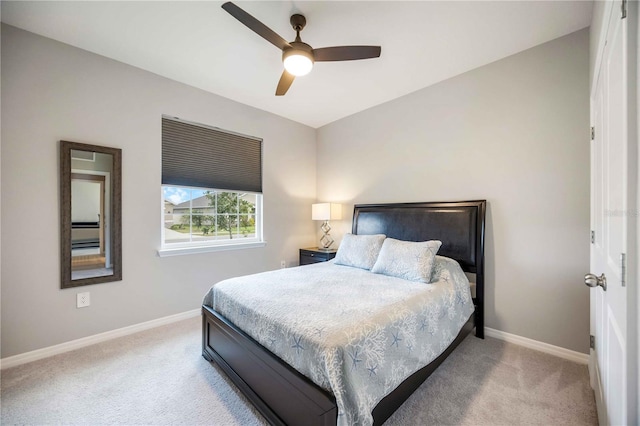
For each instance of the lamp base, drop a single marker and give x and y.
(326, 239)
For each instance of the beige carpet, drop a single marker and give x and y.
(159, 377)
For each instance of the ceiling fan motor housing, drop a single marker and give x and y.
(298, 48)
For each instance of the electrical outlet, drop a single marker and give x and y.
(283, 264)
(83, 300)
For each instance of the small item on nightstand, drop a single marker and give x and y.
(316, 255)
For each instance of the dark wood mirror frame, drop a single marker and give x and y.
(65, 214)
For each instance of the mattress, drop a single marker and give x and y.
(354, 333)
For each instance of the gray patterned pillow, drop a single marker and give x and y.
(359, 251)
(408, 260)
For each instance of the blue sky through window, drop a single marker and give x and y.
(179, 195)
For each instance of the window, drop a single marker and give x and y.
(210, 216)
(212, 188)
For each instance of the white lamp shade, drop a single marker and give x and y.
(326, 211)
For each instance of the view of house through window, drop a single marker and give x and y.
(196, 215)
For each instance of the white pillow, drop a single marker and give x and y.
(359, 251)
(408, 260)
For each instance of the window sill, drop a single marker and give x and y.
(178, 251)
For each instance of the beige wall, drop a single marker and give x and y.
(51, 91)
(514, 132)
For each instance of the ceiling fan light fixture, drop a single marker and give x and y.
(297, 62)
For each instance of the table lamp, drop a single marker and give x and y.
(326, 212)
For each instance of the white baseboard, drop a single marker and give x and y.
(568, 354)
(26, 357)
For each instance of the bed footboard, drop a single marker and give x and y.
(281, 394)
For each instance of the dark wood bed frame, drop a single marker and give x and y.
(286, 397)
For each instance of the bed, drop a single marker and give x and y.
(285, 396)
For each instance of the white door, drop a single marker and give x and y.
(611, 169)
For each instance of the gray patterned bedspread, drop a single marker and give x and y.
(354, 333)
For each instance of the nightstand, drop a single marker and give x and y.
(315, 255)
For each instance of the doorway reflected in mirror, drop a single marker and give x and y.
(90, 195)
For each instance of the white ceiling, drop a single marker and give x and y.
(200, 44)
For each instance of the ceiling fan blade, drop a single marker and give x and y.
(346, 53)
(256, 26)
(285, 82)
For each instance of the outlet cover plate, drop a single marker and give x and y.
(83, 300)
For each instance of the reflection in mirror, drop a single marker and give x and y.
(90, 196)
(90, 188)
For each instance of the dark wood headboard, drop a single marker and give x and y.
(458, 224)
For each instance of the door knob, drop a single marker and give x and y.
(592, 280)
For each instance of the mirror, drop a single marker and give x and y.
(90, 219)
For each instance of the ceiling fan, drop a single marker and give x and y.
(298, 57)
